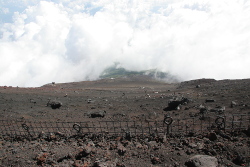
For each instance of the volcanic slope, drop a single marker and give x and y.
(126, 98)
(123, 98)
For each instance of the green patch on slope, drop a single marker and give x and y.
(117, 72)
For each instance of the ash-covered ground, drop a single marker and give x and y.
(127, 98)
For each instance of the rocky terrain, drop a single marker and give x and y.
(136, 98)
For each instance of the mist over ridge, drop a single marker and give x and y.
(115, 71)
(66, 41)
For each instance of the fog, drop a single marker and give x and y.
(72, 40)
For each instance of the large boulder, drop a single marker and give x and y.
(202, 161)
(54, 104)
(94, 114)
(175, 104)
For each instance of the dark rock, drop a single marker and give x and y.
(155, 160)
(225, 136)
(85, 151)
(198, 86)
(212, 136)
(239, 160)
(203, 111)
(219, 109)
(248, 131)
(210, 100)
(189, 151)
(32, 101)
(120, 165)
(112, 145)
(94, 114)
(176, 104)
(41, 158)
(54, 104)
(89, 101)
(121, 149)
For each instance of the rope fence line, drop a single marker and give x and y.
(169, 126)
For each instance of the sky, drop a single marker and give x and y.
(75, 40)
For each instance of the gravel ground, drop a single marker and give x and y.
(131, 98)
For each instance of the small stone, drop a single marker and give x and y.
(41, 158)
(239, 160)
(210, 100)
(155, 160)
(113, 145)
(105, 164)
(91, 143)
(138, 145)
(44, 149)
(78, 163)
(87, 150)
(189, 151)
(134, 153)
(152, 144)
(192, 145)
(121, 149)
(212, 136)
(233, 104)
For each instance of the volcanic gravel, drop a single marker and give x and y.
(129, 98)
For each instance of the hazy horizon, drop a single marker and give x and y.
(71, 40)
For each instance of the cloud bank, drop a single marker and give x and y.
(66, 41)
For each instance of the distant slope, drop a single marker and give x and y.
(118, 72)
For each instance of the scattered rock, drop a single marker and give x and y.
(175, 104)
(210, 100)
(193, 145)
(138, 145)
(85, 151)
(94, 114)
(248, 131)
(121, 149)
(202, 161)
(78, 163)
(41, 158)
(212, 136)
(203, 109)
(189, 151)
(54, 104)
(239, 160)
(233, 104)
(112, 145)
(225, 136)
(33, 101)
(155, 160)
(104, 164)
(90, 101)
(219, 109)
(152, 144)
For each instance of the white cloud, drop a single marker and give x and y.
(65, 41)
